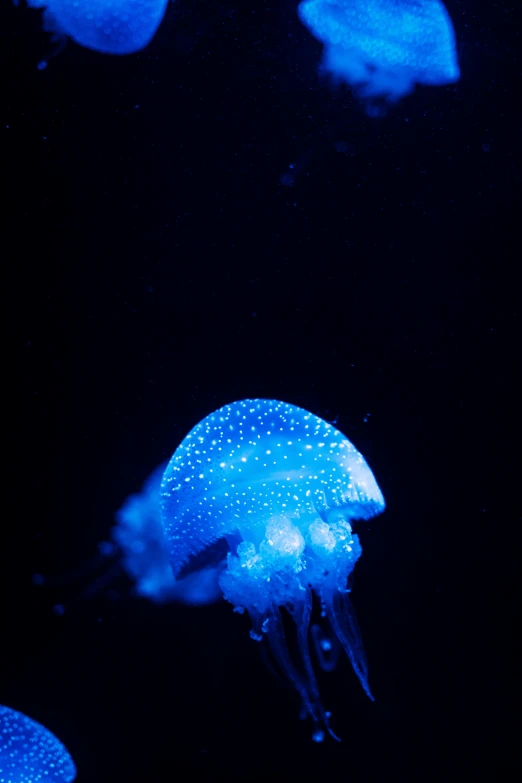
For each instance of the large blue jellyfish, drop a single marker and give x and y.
(382, 48)
(260, 498)
(110, 26)
(30, 753)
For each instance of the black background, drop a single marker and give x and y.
(161, 259)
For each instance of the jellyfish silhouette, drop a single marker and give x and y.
(142, 551)
(137, 547)
(109, 26)
(260, 498)
(382, 48)
(30, 753)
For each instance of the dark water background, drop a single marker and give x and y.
(160, 259)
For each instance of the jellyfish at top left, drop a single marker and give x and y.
(257, 506)
(30, 753)
(109, 26)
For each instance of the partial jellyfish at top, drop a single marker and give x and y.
(30, 753)
(382, 48)
(109, 26)
(257, 505)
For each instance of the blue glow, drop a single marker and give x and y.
(281, 488)
(110, 26)
(327, 649)
(139, 535)
(382, 48)
(30, 753)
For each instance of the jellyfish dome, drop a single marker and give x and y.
(30, 753)
(384, 47)
(266, 494)
(109, 26)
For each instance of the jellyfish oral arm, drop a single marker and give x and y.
(295, 558)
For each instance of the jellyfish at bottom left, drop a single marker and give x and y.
(30, 753)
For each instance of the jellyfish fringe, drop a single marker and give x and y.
(343, 632)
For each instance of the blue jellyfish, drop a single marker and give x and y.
(110, 26)
(260, 498)
(142, 551)
(30, 753)
(382, 48)
(138, 548)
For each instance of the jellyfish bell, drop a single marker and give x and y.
(30, 753)
(273, 491)
(108, 26)
(383, 48)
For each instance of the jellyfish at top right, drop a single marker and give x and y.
(383, 48)
(30, 753)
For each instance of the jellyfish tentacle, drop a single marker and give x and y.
(309, 696)
(341, 615)
(106, 579)
(301, 612)
(258, 633)
(327, 647)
